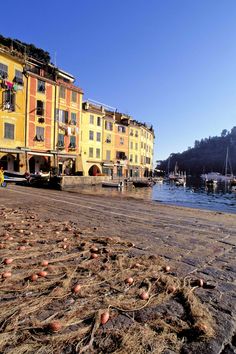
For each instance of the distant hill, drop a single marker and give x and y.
(207, 155)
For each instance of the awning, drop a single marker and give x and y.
(67, 156)
(39, 153)
(108, 164)
(13, 151)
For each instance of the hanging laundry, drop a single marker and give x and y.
(15, 87)
(69, 130)
(9, 85)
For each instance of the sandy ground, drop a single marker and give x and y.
(193, 241)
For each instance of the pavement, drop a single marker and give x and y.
(194, 242)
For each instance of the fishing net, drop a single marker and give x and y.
(95, 295)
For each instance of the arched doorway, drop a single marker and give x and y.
(38, 163)
(4, 162)
(9, 163)
(146, 172)
(69, 167)
(94, 170)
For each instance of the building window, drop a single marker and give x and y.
(108, 139)
(142, 159)
(121, 129)
(72, 142)
(108, 155)
(90, 152)
(3, 71)
(121, 141)
(73, 118)
(40, 108)
(136, 159)
(9, 131)
(141, 145)
(8, 100)
(41, 86)
(91, 135)
(131, 158)
(61, 140)
(98, 136)
(62, 92)
(74, 96)
(136, 146)
(108, 125)
(148, 160)
(120, 155)
(39, 134)
(98, 121)
(131, 145)
(91, 119)
(18, 79)
(131, 132)
(98, 153)
(62, 116)
(136, 134)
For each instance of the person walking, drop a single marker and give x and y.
(1, 176)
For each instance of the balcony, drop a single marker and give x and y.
(60, 145)
(72, 147)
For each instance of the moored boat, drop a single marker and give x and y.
(140, 183)
(14, 179)
(111, 184)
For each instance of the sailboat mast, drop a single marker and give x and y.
(226, 161)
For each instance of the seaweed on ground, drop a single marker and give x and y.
(64, 290)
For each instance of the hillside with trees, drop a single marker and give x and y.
(207, 155)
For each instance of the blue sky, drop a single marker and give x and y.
(171, 63)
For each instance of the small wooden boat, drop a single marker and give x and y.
(140, 184)
(14, 174)
(14, 179)
(180, 182)
(38, 178)
(110, 184)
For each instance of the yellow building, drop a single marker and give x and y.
(108, 148)
(12, 110)
(43, 124)
(146, 150)
(67, 124)
(92, 138)
(134, 149)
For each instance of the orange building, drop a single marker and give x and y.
(121, 144)
(40, 116)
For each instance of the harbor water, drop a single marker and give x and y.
(194, 195)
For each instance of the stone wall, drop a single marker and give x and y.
(68, 181)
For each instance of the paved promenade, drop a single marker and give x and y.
(196, 242)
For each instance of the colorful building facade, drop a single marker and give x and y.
(40, 103)
(12, 111)
(92, 139)
(45, 125)
(117, 146)
(67, 124)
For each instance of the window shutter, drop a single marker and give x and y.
(66, 117)
(4, 99)
(13, 101)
